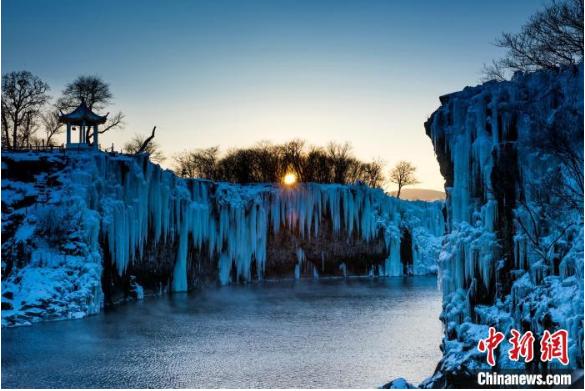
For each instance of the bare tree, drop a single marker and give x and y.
(548, 242)
(403, 174)
(552, 37)
(97, 96)
(547, 208)
(569, 152)
(317, 166)
(199, 163)
(372, 173)
(23, 95)
(183, 166)
(52, 125)
(239, 166)
(341, 157)
(560, 138)
(145, 144)
(140, 143)
(114, 121)
(268, 163)
(5, 128)
(28, 129)
(91, 89)
(292, 157)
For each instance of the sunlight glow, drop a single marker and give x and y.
(290, 179)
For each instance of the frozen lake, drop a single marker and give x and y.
(329, 333)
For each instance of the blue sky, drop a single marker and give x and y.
(232, 73)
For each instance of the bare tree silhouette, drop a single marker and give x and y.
(140, 143)
(552, 37)
(96, 94)
(403, 174)
(23, 96)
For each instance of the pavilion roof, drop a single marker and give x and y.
(83, 115)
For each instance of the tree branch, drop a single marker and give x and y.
(146, 142)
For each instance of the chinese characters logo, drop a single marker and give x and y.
(552, 346)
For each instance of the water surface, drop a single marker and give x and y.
(328, 333)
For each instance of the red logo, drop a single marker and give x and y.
(490, 344)
(552, 346)
(522, 346)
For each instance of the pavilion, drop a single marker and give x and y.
(85, 120)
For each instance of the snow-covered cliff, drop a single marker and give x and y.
(512, 156)
(83, 227)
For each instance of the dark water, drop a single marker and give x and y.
(328, 333)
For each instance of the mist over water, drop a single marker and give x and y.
(337, 333)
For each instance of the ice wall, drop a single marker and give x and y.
(497, 268)
(233, 223)
(154, 229)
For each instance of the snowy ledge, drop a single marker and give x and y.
(72, 220)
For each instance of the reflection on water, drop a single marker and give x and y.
(327, 333)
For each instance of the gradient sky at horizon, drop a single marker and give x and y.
(232, 73)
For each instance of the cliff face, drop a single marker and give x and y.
(83, 230)
(512, 156)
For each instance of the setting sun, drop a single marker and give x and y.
(300, 162)
(290, 179)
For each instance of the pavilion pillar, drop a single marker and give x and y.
(87, 122)
(68, 134)
(95, 137)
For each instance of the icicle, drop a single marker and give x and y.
(180, 271)
(230, 224)
(315, 272)
(299, 265)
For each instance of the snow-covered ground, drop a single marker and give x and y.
(512, 256)
(64, 214)
(512, 156)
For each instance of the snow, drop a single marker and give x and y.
(399, 383)
(233, 222)
(24, 232)
(117, 204)
(490, 272)
(53, 286)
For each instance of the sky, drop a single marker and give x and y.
(234, 72)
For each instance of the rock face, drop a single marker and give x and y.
(85, 229)
(512, 157)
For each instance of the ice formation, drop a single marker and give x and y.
(135, 209)
(504, 264)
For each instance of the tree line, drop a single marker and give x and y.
(30, 115)
(267, 162)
